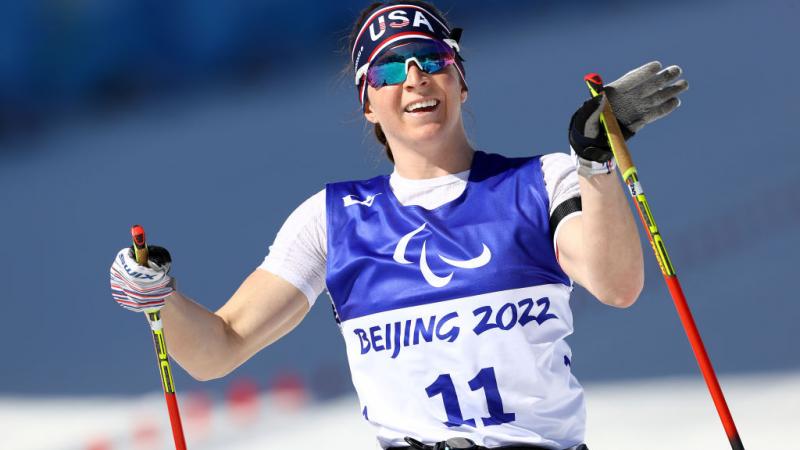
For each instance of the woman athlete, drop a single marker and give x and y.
(450, 278)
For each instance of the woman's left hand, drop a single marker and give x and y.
(645, 95)
(639, 97)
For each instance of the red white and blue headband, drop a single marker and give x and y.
(394, 23)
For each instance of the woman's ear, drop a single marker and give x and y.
(368, 114)
(464, 94)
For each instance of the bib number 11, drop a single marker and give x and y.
(486, 380)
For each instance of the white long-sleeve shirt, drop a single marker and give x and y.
(298, 254)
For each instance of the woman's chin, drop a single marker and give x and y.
(427, 132)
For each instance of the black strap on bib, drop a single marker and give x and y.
(564, 209)
(466, 444)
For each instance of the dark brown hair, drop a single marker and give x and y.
(379, 134)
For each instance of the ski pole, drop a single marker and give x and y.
(154, 319)
(631, 179)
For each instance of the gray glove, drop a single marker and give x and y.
(645, 95)
(639, 97)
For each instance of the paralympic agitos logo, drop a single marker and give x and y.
(433, 279)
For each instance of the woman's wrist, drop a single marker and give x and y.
(588, 168)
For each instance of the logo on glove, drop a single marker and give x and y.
(134, 273)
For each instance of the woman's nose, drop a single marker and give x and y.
(415, 76)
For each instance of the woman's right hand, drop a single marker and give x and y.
(139, 288)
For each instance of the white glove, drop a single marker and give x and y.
(140, 288)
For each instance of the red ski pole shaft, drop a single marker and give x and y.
(631, 179)
(157, 328)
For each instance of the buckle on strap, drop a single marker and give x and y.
(457, 443)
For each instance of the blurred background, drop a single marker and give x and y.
(208, 122)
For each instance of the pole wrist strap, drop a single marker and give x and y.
(588, 169)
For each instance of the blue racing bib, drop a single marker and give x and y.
(454, 318)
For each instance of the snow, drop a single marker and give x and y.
(655, 414)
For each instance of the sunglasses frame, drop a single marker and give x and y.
(362, 72)
(413, 59)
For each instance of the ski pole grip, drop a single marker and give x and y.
(139, 245)
(609, 120)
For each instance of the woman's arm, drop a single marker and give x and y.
(600, 249)
(210, 345)
(268, 304)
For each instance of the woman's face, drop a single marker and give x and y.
(394, 107)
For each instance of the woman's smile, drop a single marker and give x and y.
(422, 107)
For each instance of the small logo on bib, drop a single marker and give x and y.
(433, 279)
(350, 200)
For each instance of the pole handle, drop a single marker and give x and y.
(139, 244)
(615, 136)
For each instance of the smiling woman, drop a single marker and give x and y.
(383, 59)
(450, 278)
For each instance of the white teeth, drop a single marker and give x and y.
(424, 104)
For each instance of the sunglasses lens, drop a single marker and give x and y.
(386, 73)
(431, 65)
(390, 68)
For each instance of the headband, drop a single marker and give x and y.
(393, 23)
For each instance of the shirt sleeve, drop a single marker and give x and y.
(563, 190)
(299, 252)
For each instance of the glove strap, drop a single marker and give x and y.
(588, 169)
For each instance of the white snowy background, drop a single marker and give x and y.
(655, 414)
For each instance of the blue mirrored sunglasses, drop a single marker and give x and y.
(392, 67)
